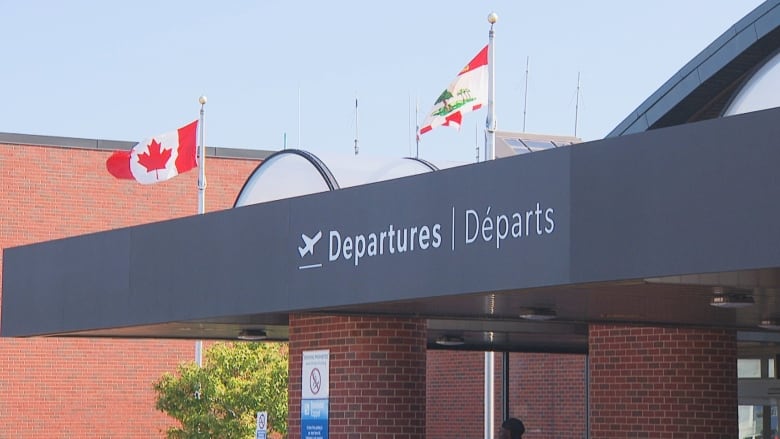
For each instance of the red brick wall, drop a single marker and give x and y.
(377, 374)
(663, 382)
(546, 391)
(456, 391)
(90, 388)
(96, 388)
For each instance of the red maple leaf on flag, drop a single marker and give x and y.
(157, 158)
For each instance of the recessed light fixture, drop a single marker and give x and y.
(252, 335)
(732, 300)
(771, 324)
(449, 340)
(539, 314)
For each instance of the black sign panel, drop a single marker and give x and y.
(490, 226)
(697, 198)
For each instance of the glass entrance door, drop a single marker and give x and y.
(758, 422)
(759, 393)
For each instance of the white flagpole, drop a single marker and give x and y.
(201, 198)
(490, 148)
(490, 154)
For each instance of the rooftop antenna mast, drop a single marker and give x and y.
(476, 142)
(356, 125)
(417, 127)
(409, 124)
(299, 118)
(525, 94)
(577, 105)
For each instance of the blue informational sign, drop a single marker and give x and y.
(314, 419)
(262, 422)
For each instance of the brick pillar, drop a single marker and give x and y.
(377, 374)
(662, 383)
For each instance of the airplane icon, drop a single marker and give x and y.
(308, 243)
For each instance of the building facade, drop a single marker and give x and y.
(100, 387)
(652, 249)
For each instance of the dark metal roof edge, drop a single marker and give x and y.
(112, 145)
(722, 45)
(316, 163)
(238, 153)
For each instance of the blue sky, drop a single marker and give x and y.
(129, 70)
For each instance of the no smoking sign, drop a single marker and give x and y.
(315, 380)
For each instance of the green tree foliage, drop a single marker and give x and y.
(222, 398)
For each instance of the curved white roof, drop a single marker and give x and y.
(294, 172)
(759, 92)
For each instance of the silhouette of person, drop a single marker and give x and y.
(512, 428)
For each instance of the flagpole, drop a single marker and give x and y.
(490, 148)
(201, 198)
(490, 154)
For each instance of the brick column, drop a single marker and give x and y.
(662, 383)
(377, 374)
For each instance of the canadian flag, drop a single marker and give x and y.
(159, 158)
(468, 92)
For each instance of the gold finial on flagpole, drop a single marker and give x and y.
(492, 18)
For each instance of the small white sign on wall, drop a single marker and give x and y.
(315, 383)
